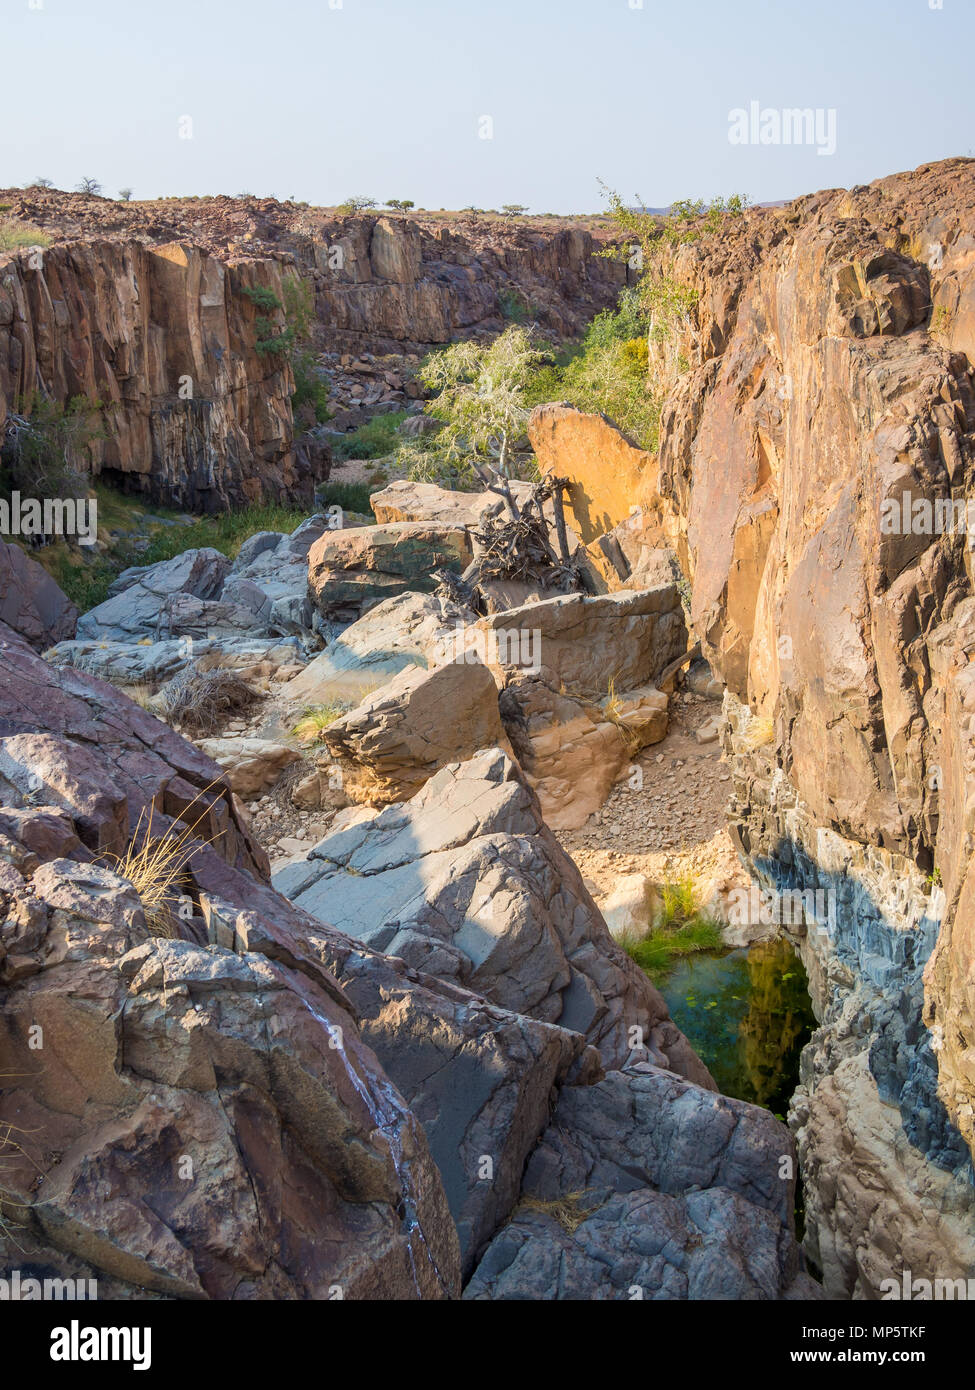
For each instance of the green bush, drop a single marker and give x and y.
(311, 387)
(45, 456)
(19, 236)
(262, 298)
(607, 372)
(351, 497)
(372, 440)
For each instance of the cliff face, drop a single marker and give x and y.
(834, 380)
(145, 307)
(391, 285)
(164, 337)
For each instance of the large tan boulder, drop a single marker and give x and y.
(573, 750)
(351, 571)
(413, 726)
(578, 697)
(404, 500)
(584, 644)
(252, 765)
(608, 475)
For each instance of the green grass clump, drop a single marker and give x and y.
(314, 721)
(372, 440)
(658, 951)
(18, 236)
(679, 929)
(226, 532)
(351, 497)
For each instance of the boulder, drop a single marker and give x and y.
(137, 601)
(467, 883)
(409, 630)
(403, 500)
(579, 644)
(645, 1187)
(31, 602)
(577, 699)
(478, 1078)
(635, 554)
(417, 723)
(629, 908)
(75, 744)
(351, 571)
(608, 475)
(159, 618)
(153, 663)
(571, 753)
(252, 765)
(207, 1125)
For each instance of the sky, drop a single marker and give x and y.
(454, 103)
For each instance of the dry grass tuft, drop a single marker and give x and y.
(760, 731)
(156, 866)
(198, 701)
(568, 1211)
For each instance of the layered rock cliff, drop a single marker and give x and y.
(148, 308)
(382, 283)
(832, 380)
(164, 338)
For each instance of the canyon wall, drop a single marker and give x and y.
(393, 285)
(164, 338)
(833, 379)
(148, 308)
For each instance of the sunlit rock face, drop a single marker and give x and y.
(833, 379)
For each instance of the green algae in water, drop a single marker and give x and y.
(748, 1015)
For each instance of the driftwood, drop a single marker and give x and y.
(517, 543)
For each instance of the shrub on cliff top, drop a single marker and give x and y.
(20, 236)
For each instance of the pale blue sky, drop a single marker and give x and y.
(384, 97)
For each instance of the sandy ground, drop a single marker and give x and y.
(671, 828)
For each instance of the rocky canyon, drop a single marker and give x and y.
(334, 855)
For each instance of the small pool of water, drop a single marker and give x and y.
(748, 1015)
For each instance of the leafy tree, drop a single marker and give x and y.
(668, 302)
(514, 209)
(356, 204)
(482, 397)
(400, 204)
(47, 445)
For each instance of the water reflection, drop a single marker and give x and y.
(748, 1016)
